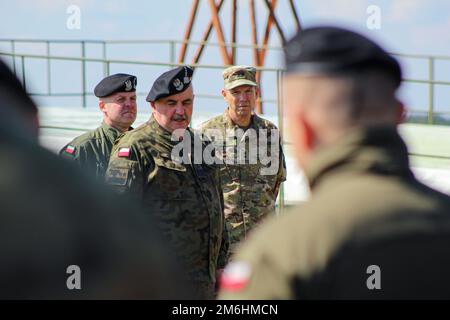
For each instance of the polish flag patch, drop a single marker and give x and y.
(70, 149)
(124, 152)
(236, 276)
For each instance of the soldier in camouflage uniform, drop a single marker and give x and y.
(45, 228)
(117, 102)
(183, 196)
(249, 193)
(370, 229)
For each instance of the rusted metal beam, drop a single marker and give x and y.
(217, 25)
(262, 51)
(262, 54)
(256, 61)
(233, 30)
(187, 34)
(275, 20)
(205, 37)
(254, 32)
(296, 17)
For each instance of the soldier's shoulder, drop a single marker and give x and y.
(86, 138)
(264, 123)
(306, 225)
(216, 122)
(135, 136)
(81, 142)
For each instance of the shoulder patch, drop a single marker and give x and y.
(70, 149)
(124, 152)
(236, 276)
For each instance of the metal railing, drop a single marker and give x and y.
(106, 62)
(171, 46)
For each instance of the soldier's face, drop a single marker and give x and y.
(241, 100)
(119, 109)
(174, 112)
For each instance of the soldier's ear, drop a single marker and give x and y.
(308, 136)
(401, 113)
(101, 105)
(224, 93)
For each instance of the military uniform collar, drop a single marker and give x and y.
(163, 133)
(229, 124)
(378, 149)
(111, 132)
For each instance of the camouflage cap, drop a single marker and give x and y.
(236, 76)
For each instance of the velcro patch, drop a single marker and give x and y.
(124, 152)
(117, 177)
(70, 149)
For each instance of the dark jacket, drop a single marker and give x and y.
(367, 211)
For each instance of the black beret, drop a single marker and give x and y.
(171, 82)
(119, 82)
(331, 50)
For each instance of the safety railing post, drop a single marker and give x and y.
(13, 51)
(105, 67)
(49, 81)
(83, 72)
(172, 51)
(22, 63)
(280, 127)
(430, 89)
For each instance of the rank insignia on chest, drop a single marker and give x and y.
(70, 149)
(124, 152)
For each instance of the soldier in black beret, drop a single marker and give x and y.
(176, 83)
(185, 197)
(370, 229)
(117, 102)
(55, 219)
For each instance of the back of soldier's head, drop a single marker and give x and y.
(330, 58)
(15, 101)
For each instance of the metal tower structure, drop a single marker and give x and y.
(228, 50)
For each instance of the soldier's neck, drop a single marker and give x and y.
(117, 126)
(242, 121)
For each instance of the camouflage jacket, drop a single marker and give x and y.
(186, 199)
(92, 149)
(249, 194)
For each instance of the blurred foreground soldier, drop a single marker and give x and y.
(370, 230)
(46, 229)
(250, 185)
(117, 102)
(184, 197)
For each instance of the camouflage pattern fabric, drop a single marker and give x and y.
(248, 196)
(92, 149)
(185, 199)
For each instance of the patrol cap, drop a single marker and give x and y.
(332, 50)
(119, 82)
(236, 76)
(171, 82)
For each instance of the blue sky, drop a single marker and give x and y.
(407, 26)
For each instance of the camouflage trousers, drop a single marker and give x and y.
(204, 290)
